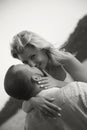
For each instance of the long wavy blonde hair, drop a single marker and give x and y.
(27, 38)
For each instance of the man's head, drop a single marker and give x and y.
(19, 81)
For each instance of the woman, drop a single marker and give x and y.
(33, 50)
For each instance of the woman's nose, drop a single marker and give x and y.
(32, 64)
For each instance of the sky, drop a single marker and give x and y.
(54, 20)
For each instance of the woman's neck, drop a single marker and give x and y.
(56, 71)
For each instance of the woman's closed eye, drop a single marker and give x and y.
(25, 62)
(33, 57)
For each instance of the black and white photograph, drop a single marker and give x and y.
(43, 65)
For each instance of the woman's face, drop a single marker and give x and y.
(34, 57)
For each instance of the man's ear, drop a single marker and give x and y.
(35, 78)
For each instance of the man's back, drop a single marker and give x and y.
(71, 99)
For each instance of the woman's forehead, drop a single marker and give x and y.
(27, 53)
(29, 50)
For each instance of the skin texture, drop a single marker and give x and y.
(34, 57)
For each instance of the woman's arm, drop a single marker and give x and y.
(44, 105)
(76, 69)
(72, 65)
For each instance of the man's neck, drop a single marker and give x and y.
(36, 90)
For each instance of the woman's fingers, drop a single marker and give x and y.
(47, 112)
(50, 112)
(45, 84)
(45, 73)
(42, 81)
(46, 106)
(49, 99)
(42, 78)
(53, 106)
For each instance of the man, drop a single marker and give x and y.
(20, 82)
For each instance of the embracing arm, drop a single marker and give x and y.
(43, 104)
(71, 64)
(76, 69)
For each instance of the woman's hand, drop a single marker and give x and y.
(46, 106)
(49, 82)
(61, 56)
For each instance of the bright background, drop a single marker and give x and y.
(52, 19)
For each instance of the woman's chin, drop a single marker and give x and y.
(42, 67)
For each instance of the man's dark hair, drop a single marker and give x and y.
(17, 84)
